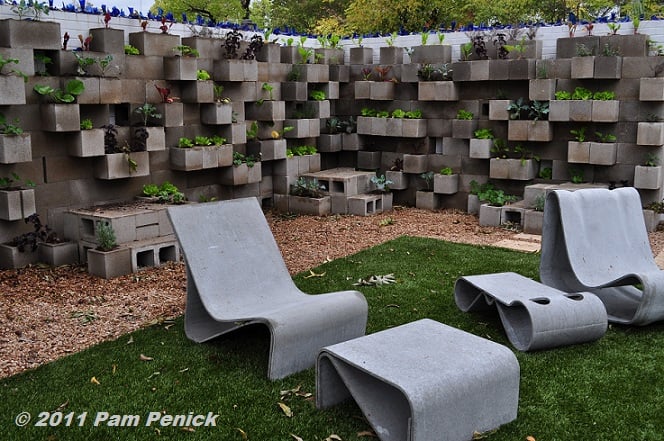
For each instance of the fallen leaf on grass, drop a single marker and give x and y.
(530, 438)
(188, 429)
(62, 406)
(94, 380)
(296, 438)
(333, 438)
(131, 340)
(286, 410)
(145, 358)
(313, 274)
(242, 433)
(366, 433)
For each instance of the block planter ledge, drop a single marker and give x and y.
(445, 184)
(311, 206)
(60, 117)
(650, 133)
(13, 90)
(217, 113)
(515, 169)
(201, 157)
(528, 130)
(437, 91)
(12, 258)
(17, 204)
(109, 264)
(241, 174)
(16, 148)
(648, 178)
(57, 254)
(87, 143)
(122, 165)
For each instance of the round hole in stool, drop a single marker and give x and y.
(575, 296)
(541, 300)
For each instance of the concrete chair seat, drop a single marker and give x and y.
(534, 315)
(236, 276)
(596, 240)
(422, 381)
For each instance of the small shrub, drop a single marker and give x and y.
(105, 235)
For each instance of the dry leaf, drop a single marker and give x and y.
(287, 410)
(114, 369)
(145, 358)
(530, 438)
(367, 433)
(313, 274)
(296, 438)
(188, 429)
(94, 380)
(62, 406)
(131, 340)
(243, 433)
(333, 437)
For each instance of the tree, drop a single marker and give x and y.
(230, 10)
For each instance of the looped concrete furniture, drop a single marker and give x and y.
(422, 381)
(236, 276)
(595, 240)
(535, 316)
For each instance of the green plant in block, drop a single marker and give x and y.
(605, 137)
(9, 128)
(131, 50)
(446, 171)
(464, 114)
(581, 93)
(86, 124)
(73, 88)
(563, 95)
(579, 134)
(317, 95)
(604, 95)
(483, 134)
(652, 160)
(105, 235)
(202, 75)
(147, 111)
(428, 179)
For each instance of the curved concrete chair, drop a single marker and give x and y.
(535, 316)
(236, 276)
(595, 240)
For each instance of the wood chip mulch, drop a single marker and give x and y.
(47, 313)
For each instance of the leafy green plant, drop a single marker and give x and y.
(500, 149)
(73, 88)
(581, 93)
(493, 196)
(447, 171)
(186, 51)
(185, 143)
(583, 51)
(41, 62)
(576, 175)
(483, 134)
(86, 124)
(165, 193)
(9, 128)
(218, 91)
(540, 200)
(147, 111)
(413, 114)
(608, 51)
(464, 114)
(579, 134)
(605, 95)
(252, 131)
(305, 54)
(381, 182)
(545, 173)
(652, 160)
(563, 95)
(105, 235)
(317, 95)
(309, 188)
(605, 137)
(131, 50)
(202, 75)
(240, 158)
(466, 51)
(301, 150)
(14, 181)
(518, 109)
(428, 179)
(6, 61)
(424, 37)
(538, 110)
(35, 8)
(613, 27)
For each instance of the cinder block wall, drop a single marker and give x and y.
(64, 182)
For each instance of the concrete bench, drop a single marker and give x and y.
(535, 316)
(422, 381)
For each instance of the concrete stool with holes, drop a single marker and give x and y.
(422, 381)
(535, 316)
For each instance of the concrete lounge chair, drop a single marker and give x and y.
(422, 381)
(535, 316)
(595, 240)
(236, 276)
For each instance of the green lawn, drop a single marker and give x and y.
(609, 390)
